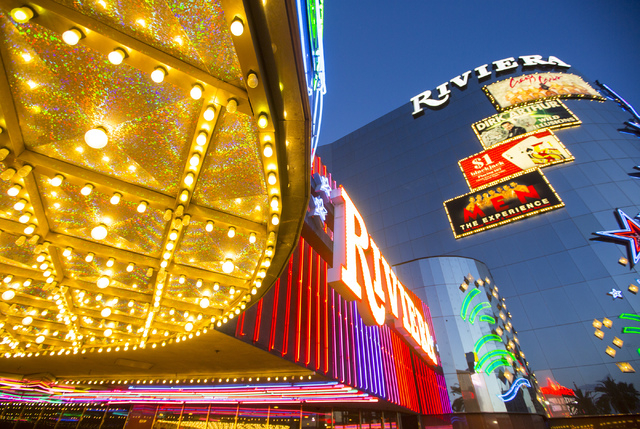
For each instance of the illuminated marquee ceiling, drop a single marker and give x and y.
(154, 173)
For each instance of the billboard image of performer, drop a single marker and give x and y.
(512, 129)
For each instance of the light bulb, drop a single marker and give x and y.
(72, 36)
(252, 80)
(158, 74)
(106, 312)
(30, 229)
(275, 219)
(272, 178)
(25, 217)
(130, 267)
(188, 327)
(199, 283)
(269, 251)
(196, 91)
(174, 235)
(216, 286)
(184, 196)
(115, 198)
(8, 295)
(275, 203)
(67, 252)
(103, 282)
(57, 180)
(22, 14)
(209, 226)
(14, 190)
(110, 262)
(107, 333)
(117, 56)
(87, 189)
(99, 232)
(201, 140)
(231, 232)
(227, 266)
(189, 179)
(20, 205)
(204, 302)
(262, 120)
(142, 207)
(210, 113)
(40, 339)
(195, 160)
(268, 150)
(232, 105)
(252, 237)
(96, 138)
(237, 27)
(89, 257)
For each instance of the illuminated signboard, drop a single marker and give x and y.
(537, 149)
(432, 100)
(549, 114)
(523, 89)
(513, 199)
(361, 273)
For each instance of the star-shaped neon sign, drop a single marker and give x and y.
(615, 293)
(319, 209)
(325, 186)
(630, 235)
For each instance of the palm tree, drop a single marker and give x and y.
(583, 404)
(623, 397)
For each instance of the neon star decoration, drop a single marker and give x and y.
(630, 235)
(615, 293)
(325, 186)
(319, 209)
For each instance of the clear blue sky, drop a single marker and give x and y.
(379, 54)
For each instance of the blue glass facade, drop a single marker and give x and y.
(399, 169)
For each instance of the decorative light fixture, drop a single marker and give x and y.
(22, 14)
(263, 121)
(210, 113)
(184, 196)
(252, 80)
(30, 229)
(57, 180)
(237, 27)
(115, 198)
(196, 91)
(158, 74)
(72, 36)
(142, 207)
(20, 205)
(117, 56)
(232, 105)
(228, 266)
(25, 217)
(268, 150)
(272, 178)
(275, 203)
(252, 238)
(204, 302)
(209, 226)
(110, 262)
(231, 232)
(14, 190)
(89, 257)
(130, 267)
(195, 160)
(201, 140)
(96, 138)
(99, 232)
(8, 295)
(275, 220)
(103, 282)
(106, 312)
(87, 189)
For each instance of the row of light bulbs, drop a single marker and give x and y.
(292, 378)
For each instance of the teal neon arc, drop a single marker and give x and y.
(494, 359)
(465, 304)
(484, 340)
(476, 310)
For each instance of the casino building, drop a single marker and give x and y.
(512, 187)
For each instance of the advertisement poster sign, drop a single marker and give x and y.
(518, 90)
(536, 149)
(548, 114)
(524, 195)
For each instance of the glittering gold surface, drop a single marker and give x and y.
(232, 179)
(193, 31)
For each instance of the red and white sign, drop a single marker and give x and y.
(538, 149)
(361, 273)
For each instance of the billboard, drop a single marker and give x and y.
(516, 91)
(531, 150)
(512, 199)
(548, 114)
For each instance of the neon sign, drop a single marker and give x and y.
(361, 273)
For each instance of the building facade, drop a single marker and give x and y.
(454, 161)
